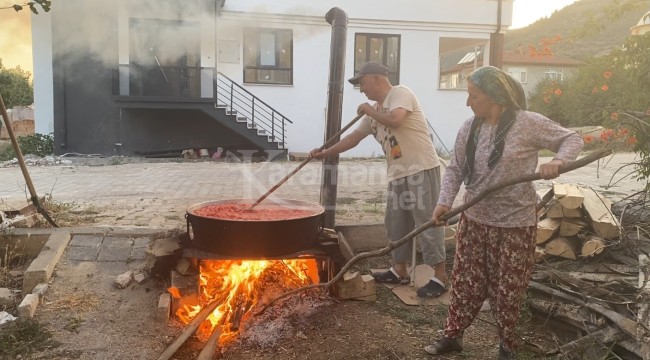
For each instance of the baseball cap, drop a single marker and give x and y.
(371, 67)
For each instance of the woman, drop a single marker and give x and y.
(496, 237)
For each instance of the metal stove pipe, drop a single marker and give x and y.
(339, 21)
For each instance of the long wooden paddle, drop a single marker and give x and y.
(308, 159)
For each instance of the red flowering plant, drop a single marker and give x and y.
(610, 92)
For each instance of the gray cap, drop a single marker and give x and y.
(371, 67)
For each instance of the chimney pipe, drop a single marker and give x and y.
(496, 41)
(339, 21)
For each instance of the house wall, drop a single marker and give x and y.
(420, 23)
(537, 73)
(91, 122)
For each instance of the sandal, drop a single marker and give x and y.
(390, 277)
(431, 290)
(444, 346)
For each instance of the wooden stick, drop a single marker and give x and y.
(211, 345)
(23, 166)
(304, 162)
(189, 330)
(450, 214)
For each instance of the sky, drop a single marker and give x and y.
(16, 37)
(525, 12)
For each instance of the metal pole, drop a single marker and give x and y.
(339, 21)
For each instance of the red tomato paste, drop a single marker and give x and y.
(240, 211)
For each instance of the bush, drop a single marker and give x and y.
(37, 144)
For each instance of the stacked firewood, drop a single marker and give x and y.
(576, 223)
(591, 277)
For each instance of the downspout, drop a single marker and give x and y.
(496, 40)
(339, 21)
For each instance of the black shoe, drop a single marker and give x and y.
(444, 346)
(431, 290)
(390, 277)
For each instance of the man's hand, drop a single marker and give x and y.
(365, 109)
(316, 154)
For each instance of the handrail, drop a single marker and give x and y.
(253, 95)
(259, 114)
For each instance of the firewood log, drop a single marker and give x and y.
(570, 227)
(643, 299)
(546, 229)
(562, 246)
(568, 195)
(570, 314)
(557, 211)
(592, 245)
(598, 208)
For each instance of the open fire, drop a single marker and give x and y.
(238, 286)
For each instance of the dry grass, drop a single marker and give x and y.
(67, 214)
(78, 302)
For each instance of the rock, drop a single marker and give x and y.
(123, 280)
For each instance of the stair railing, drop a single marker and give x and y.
(261, 115)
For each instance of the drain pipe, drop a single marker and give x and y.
(339, 21)
(496, 41)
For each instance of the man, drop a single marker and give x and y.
(397, 122)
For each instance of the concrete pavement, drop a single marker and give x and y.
(155, 194)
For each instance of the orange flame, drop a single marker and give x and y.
(237, 286)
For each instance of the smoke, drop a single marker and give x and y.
(16, 39)
(99, 28)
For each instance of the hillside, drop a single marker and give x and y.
(586, 28)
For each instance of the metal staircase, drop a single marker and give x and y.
(245, 108)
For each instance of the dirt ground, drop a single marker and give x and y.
(91, 319)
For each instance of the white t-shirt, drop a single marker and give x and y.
(408, 148)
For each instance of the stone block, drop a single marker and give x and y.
(86, 240)
(114, 254)
(40, 290)
(41, 268)
(7, 298)
(164, 308)
(81, 253)
(27, 307)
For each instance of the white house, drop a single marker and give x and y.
(132, 76)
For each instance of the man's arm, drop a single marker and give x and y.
(393, 119)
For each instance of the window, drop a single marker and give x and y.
(268, 56)
(519, 73)
(164, 58)
(554, 74)
(458, 58)
(381, 48)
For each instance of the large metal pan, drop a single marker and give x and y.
(254, 239)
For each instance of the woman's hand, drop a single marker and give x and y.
(551, 169)
(437, 213)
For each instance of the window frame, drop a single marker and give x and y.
(393, 75)
(554, 74)
(522, 70)
(258, 32)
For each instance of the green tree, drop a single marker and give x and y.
(612, 91)
(15, 86)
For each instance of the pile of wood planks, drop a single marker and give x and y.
(576, 223)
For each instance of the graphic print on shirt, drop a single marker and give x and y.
(389, 143)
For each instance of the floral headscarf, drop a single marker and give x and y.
(504, 90)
